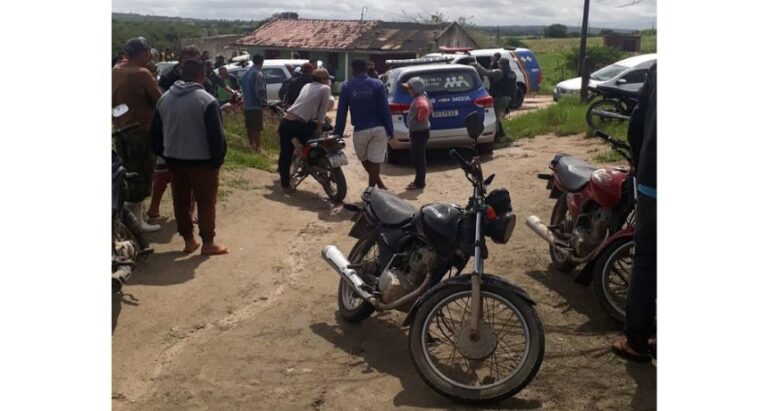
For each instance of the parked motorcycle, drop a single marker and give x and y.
(610, 105)
(593, 223)
(321, 158)
(474, 337)
(128, 242)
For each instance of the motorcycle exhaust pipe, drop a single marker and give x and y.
(541, 229)
(334, 257)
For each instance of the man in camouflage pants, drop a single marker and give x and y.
(135, 86)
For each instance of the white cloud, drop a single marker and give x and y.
(603, 13)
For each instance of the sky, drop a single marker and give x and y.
(603, 13)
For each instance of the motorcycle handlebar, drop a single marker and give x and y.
(455, 154)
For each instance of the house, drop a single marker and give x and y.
(338, 42)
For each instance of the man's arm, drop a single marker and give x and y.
(494, 74)
(153, 91)
(215, 132)
(261, 88)
(386, 116)
(341, 111)
(157, 134)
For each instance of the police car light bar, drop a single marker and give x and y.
(415, 62)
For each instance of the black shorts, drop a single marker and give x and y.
(254, 120)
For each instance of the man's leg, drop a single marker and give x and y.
(641, 300)
(181, 190)
(498, 109)
(377, 152)
(286, 154)
(133, 148)
(160, 180)
(419, 156)
(205, 185)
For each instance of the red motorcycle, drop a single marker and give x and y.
(592, 223)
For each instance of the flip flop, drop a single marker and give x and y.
(620, 348)
(413, 186)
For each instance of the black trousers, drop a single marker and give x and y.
(641, 301)
(287, 130)
(419, 156)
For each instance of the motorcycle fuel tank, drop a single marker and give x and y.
(439, 224)
(606, 185)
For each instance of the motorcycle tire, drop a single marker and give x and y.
(419, 339)
(596, 121)
(559, 212)
(364, 309)
(336, 176)
(601, 278)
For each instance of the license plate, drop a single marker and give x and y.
(337, 160)
(445, 113)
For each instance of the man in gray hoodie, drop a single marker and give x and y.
(187, 132)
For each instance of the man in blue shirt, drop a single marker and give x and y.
(366, 100)
(254, 98)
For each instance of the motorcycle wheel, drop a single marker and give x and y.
(351, 307)
(560, 216)
(612, 273)
(332, 180)
(500, 364)
(596, 121)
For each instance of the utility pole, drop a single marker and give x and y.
(583, 69)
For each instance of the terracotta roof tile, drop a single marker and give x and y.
(307, 33)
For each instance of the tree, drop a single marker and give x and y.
(556, 31)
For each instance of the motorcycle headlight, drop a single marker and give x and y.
(500, 229)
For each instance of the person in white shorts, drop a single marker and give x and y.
(366, 99)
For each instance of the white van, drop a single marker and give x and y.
(628, 74)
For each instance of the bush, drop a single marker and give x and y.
(597, 57)
(556, 31)
(516, 42)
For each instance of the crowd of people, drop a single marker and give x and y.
(180, 141)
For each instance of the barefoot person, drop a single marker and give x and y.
(366, 100)
(254, 98)
(187, 132)
(418, 129)
(641, 300)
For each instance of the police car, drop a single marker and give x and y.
(455, 90)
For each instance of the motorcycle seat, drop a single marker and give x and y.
(617, 91)
(573, 173)
(388, 208)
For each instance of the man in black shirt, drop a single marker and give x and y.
(294, 85)
(174, 74)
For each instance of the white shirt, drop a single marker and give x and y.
(312, 103)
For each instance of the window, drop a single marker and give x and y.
(448, 82)
(634, 77)
(607, 73)
(273, 75)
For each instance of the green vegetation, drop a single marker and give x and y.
(556, 31)
(565, 118)
(239, 154)
(167, 32)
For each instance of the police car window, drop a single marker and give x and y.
(636, 76)
(273, 75)
(449, 82)
(484, 61)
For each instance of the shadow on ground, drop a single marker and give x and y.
(309, 201)
(383, 346)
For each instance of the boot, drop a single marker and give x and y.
(138, 210)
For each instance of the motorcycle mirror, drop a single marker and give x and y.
(119, 110)
(489, 179)
(474, 125)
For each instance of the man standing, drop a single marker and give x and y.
(295, 84)
(372, 73)
(135, 86)
(188, 133)
(641, 300)
(254, 98)
(495, 63)
(366, 100)
(174, 74)
(503, 88)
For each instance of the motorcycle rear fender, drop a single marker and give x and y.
(585, 275)
(466, 279)
(361, 228)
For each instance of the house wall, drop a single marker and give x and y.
(455, 36)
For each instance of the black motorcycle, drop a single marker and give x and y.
(128, 242)
(473, 337)
(610, 105)
(321, 158)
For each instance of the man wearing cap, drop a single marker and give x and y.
(366, 100)
(503, 89)
(135, 86)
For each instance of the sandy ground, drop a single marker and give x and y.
(258, 328)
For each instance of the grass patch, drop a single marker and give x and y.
(564, 118)
(239, 154)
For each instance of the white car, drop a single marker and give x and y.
(628, 74)
(275, 72)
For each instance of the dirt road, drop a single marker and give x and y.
(258, 329)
